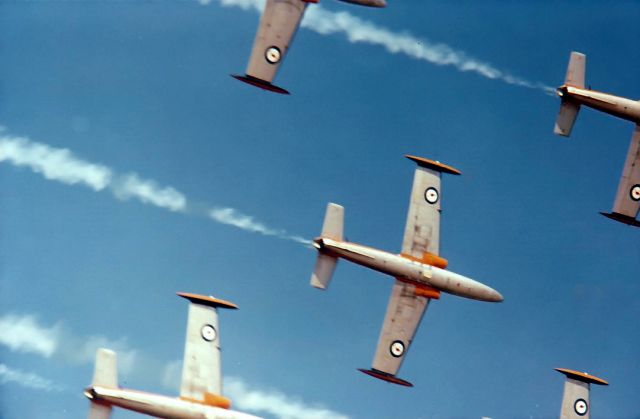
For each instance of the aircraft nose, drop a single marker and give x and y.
(496, 297)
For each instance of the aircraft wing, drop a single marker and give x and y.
(627, 202)
(407, 303)
(422, 231)
(201, 377)
(404, 312)
(278, 24)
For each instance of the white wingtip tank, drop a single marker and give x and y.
(332, 228)
(575, 400)
(568, 108)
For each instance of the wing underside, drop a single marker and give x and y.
(278, 24)
(404, 312)
(201, 366)
(627, 202)
(405, 309)
(422, 231)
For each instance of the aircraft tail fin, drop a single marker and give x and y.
(568, 109)
(105, 374)
(323, 271)
(575, 400)
(333, 226)
(576, 70)
(99, 411)
(566, 117)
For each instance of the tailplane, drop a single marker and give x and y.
(576, 70)
(333, 225)
(568, 109)
(332, 228)
(105, 374)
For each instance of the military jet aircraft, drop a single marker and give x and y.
(419, 270)
(575, 400)
(278, 25)
(201, 389)
(573, 94)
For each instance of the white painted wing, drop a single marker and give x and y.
(278, 24)
(404, 312)
(627, 200)
(422, 231)
(201, 365)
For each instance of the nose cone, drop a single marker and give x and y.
(495, 296)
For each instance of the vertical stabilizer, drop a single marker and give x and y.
(575, 400)
(201, 370)
(333, 225)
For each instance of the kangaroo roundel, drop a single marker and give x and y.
(581, 407)
(397, 348)
(273, 54)
(208, 332)
(635, 192)
(431, 195)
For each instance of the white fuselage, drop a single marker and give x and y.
(409, 270)
(160, 406)
(614, 105)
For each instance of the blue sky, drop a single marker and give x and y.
(138, 92)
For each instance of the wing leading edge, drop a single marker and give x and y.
(627, 202)
(278, 24)
(408, 303)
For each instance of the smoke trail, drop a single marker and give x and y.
(358, 30)
(63, 166)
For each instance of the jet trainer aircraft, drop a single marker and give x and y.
(575, 399)
(419, 270)
(278, 25)
(573, 94)
(201, 389)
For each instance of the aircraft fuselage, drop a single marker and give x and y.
(409, 270)
(614, 105)
(159, 406)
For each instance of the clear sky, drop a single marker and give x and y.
(167, 157)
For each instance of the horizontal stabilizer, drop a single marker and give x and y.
(566, 117)
(576, 70)
(386, 377)
(333, 225)
(105, 373)
(254, 81)
(322, 273)
(99, 411)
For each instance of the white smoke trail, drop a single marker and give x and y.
(358, 30)
(275, 403)
(63, 166)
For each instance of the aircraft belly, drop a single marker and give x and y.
(613, 105)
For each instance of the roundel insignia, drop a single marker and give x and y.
(635, 192)
(431, 195)
(273, 54)
(581, 407)
(396, 348)
(208, 332)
